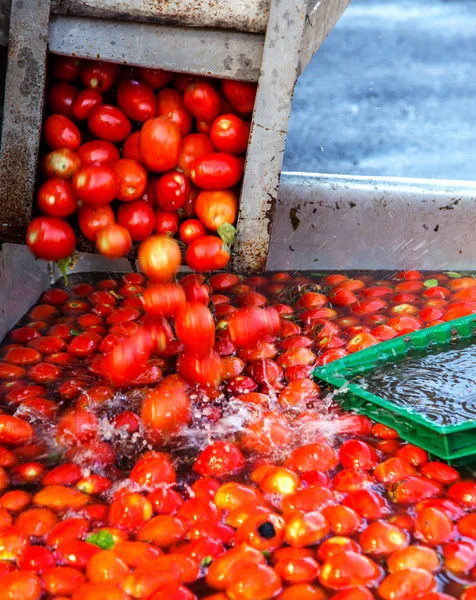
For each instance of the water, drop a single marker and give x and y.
(440, 386)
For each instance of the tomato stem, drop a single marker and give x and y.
(227, 233)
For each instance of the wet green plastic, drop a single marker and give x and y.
(454, 443)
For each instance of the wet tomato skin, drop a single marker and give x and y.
(50, 238)
(217, 171)
(61, 132)
(96, 185)
(109, 123)
(56, 198)
(136, 99)
(92, 218)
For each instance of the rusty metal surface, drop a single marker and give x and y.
(321, 19)
(23, 109)
(279, 72)
(242, 15)
(219, 53)
(349, 222)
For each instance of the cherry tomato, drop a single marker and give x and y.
(109, 123)
(195, 327)
(92, 219)
(230, 134)
(60, 132)
(98, 152)
(56, 198)
(217, 171)
(114, 241)
(136, 99)
(203, 369)
(97, 75)
(207, 253)
(50, 238)
(60, 98)
(96, 185)
(62, 163)
(159, 258)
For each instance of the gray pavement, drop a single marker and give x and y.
(392, 92)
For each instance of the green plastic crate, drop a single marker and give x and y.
(454, 443)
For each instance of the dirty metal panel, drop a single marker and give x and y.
(242, 15)
(268, 132)
(4, 21)
(346, 222)
(228, 54)
(22, 280)
(22, 116)
(321, 19)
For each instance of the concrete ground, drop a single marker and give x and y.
(391, 92)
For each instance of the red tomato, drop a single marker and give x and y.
(204, 369)
(207, 253)
(62, 163)
(217, 171)
(170, 105)
(96, 185)
(56, 198)
(167, 223)
(240, 94)
(84, 102)
(202, 100)
(138, 218)
(159, 258)
(132, 179)
(60, 132)
(230, 134)
(160, 144)
(219, 459)
(173, 190)
(190, 230)
(114, 241)
(131, 147)
(136, 99)
(150, 194)
(14, 431)
(156, 78)
(163, 299)
(97, 75)
(50, 238)
(109, 123)
(167, 408)
(91, 219)
(65, 68)
(60, 98)
(98, 152)
(214, 208)
(195, 327)
(193, 146)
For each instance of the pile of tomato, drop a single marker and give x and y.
(135, 153)
(166, 441)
